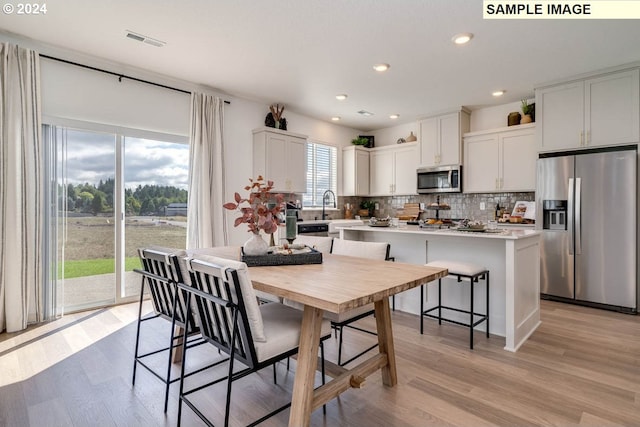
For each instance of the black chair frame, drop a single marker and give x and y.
(161, 275)
(225, 325)
(339, 326)
(484, 275)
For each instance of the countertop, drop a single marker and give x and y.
(505, 233)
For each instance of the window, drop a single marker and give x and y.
(321, 173)
(111, 191)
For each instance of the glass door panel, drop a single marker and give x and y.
(156, 177)
(84, 216)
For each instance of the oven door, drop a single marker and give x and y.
(441, 179)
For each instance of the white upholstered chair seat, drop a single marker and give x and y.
(341, 317)
(282, 330)
(456, 267)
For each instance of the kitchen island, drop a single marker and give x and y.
(511, 255)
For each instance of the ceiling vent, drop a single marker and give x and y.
(365, 113)
(145, 39)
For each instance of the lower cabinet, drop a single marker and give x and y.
(500, 160)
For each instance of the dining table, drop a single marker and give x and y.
(339, 284)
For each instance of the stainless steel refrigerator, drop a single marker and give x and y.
(586, 208)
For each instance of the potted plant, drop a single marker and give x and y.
(367, 207)
(528, 112)
(259, 211)
(360, 141)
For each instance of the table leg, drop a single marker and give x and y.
(385, 342)
(306, 370)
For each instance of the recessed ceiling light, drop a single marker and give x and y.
(335, 118)
(365, 113)
(498, 93)
(381, 67)
(341, 97)
(394, 116)
(462, 38)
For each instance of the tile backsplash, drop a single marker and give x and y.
(462, 205)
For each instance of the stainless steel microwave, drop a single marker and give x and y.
(440, 179)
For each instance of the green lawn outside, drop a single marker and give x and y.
(93, 267)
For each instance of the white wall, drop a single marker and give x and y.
(390, 135)
(75, 93)
(494, 117)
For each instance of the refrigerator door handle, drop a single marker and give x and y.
(570, 216)
(578, 220)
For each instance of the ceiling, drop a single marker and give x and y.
(301, 53)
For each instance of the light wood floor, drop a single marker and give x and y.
(582, 367)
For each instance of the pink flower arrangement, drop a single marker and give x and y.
(254, 208)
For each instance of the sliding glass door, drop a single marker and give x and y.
(156, 176)
(110, 194)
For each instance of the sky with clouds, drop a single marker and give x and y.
(91, 158)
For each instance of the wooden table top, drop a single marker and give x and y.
(339, 284)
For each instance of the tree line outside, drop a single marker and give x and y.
(143, 200)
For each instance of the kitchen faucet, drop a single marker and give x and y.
(324, 201)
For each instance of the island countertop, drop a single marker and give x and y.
(507, 233)
(512, 256)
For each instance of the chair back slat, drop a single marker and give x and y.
(216, 319)
(164, 274)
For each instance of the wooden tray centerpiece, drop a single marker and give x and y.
(284, 255)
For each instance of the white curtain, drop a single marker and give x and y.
(21, 189)
(206, 225)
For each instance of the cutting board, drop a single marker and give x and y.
(411, 211)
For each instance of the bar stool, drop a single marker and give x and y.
(461, 270)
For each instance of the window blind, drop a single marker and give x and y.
(321, 173)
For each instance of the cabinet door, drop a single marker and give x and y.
(295, 167)
(518, 155)
(611, 109)
(429, 143)
(560, 116)
(449, 126)
(362, 174)
(276, 162)
(381, 180)
(481, 163)
(406, 163)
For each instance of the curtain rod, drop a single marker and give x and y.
(120, 76)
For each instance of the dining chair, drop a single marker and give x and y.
(339, 321)
(231, 320)
(161, 272)
(320, 243)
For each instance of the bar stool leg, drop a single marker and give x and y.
(471, 315)
(439, 301)
(421, 309)
(487, 319)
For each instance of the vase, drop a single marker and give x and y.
(525, 119)
(255, 245)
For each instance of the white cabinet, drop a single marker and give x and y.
(500, 160)
(393, 170)
(593, 112)
(441, 138)
(355, 171)
(281, 157)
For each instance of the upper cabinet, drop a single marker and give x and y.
(355, 171)
(500, 160)
(593, 112)
(441, 138)
(393, 170)
(281, 157)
